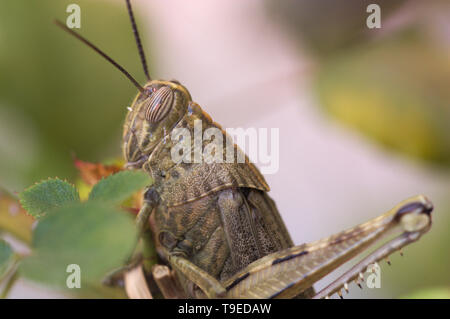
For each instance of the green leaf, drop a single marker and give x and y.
(118, 187)
(6, 255)
(92, 235)
(47, 195)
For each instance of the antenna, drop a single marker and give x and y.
(89, 44)
(138, 39)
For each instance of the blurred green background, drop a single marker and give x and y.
(57, 97)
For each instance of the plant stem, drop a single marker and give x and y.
(10, 276)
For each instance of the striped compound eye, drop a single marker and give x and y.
(159, 104)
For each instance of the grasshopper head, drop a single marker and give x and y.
(155, 110)
(151, 117)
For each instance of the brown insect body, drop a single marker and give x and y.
(215, 224)
(217, 215)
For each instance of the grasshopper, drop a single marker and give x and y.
(215, 224)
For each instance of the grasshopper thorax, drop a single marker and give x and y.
(151, 118)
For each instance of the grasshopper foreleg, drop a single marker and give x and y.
(151, 200)
(208, 284)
